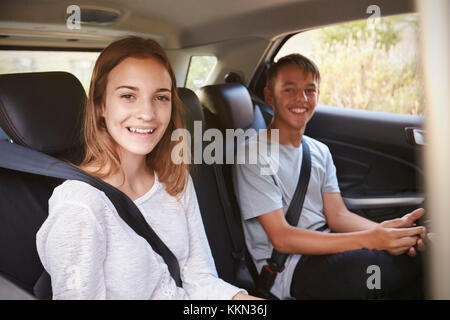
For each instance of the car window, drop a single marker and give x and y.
(200, 68)
(371, 64)
(78, 63)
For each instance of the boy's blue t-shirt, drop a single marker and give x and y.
(259, 193)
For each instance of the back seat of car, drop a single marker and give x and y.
(222, 228)
(230, 106)
(37, 120)
(40, 111)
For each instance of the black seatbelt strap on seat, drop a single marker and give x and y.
(19, 158)
(238, 248)
(243, 276)
(276, 262)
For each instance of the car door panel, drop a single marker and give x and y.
(377, 165)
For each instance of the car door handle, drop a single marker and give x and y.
(383, 202)
(415, 136)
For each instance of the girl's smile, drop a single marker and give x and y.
(138, 105)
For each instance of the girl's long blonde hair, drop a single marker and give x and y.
(100, 148)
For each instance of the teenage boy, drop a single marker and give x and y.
(335, 263)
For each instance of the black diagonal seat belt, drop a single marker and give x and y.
(276, 262)
(24, 159)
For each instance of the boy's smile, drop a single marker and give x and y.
(294, 97)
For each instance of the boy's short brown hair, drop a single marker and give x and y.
(295, 59)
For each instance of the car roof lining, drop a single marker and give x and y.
(175, 24)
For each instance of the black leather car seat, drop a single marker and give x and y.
(41, 111)
(230, 106)
(210, 198)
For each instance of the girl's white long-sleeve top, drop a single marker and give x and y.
(91, 253)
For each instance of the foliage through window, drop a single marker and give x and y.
(200, 68)
(371, 64)
(79, 64)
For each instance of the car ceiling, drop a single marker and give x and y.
(177, 23)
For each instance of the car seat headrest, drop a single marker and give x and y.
(192, 107)
(230, 102)
(42, 110)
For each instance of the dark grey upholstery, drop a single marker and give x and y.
(230, 102)
(231, 107)
(211, 208)
(40, 111)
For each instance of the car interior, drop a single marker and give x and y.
(379, 161)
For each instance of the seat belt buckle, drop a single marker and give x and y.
(265, 281)
(269, 269)
(273, 266)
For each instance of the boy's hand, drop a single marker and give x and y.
(408, 220)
